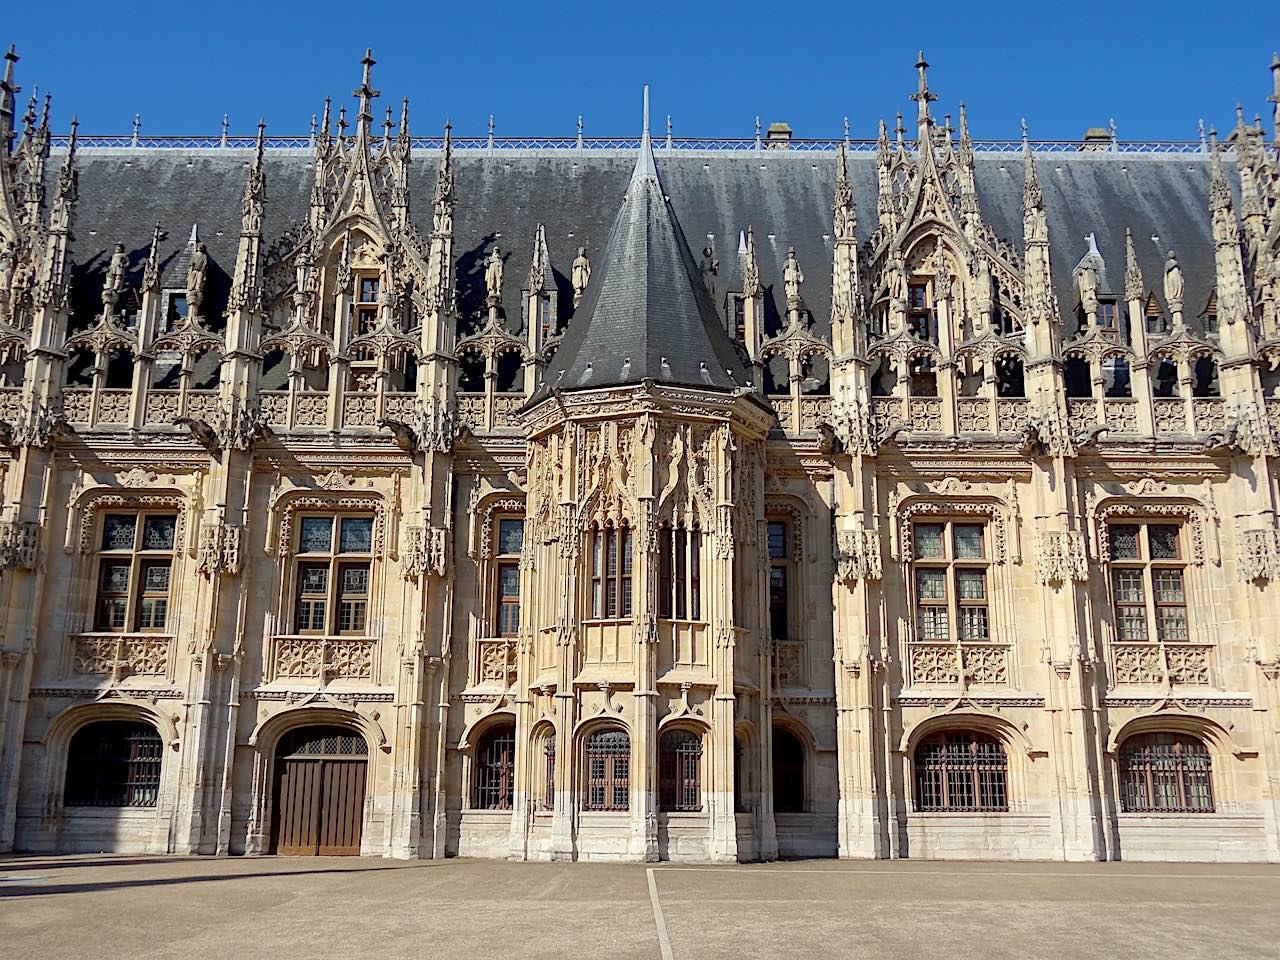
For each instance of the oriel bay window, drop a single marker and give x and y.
(950, 569)
(1147, 581)
(510, 546)
(135, 561)
(679, 568)
(332, 575)
(611, 549)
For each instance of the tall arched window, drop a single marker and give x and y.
(114, 763)
(495, 769)
(608, 784)
(1165, 773)
(548, 800)
(961, 771)
(788, 772)
(679, 764)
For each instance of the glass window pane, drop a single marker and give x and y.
(157, 533)
(115, 577)
(510, 536)
(931, 584)
(1127, 585)
(357, 534)
(1168, 585)
(928, 538)
(973, 623)
(968, 542)
(931, 623)
(509, 580)
(355, 581)
(1163, 541)
(314, 579)
(1124, 541)
(155, 577)
(1171, 623)
(971, 584)
(315, 535)
(1131, 622)
(117, 531)
(777, 540)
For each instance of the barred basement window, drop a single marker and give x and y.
(679, 565)
(608, 771)
(679, 762)
(1147, 582)
(950, 563)
(134, 565)
(611, 572)
(961, 772)
(495, 769)
(333, 565)
(510, 546)
(114, 763)
(1165, 773)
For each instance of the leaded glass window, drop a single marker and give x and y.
(1148, 589)
(611, 567)
(134, 566)
(950, 581)
(332, 587)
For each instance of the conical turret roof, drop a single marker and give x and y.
(646, 313)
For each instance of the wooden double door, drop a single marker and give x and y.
(319, 792)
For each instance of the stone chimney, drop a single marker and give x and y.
(778, 137)
(1095, 140)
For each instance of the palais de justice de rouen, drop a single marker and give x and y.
(410, 495)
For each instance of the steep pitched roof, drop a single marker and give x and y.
(647, 313)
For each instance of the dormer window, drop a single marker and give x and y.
(1109, 319)
(919, 316)
(364, 313)
(176, 311)
(740, 318)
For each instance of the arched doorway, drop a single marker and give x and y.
(319, 792)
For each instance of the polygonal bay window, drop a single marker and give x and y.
(611, 568)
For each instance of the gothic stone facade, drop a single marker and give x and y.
(905, 498)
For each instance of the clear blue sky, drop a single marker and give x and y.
(1155, 67)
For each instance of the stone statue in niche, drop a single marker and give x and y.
(8, 266)
(1087, 281)
(493, 268)
(197, 272)
(1173, 283)
(792, 277)
(116, 269)
(581, 275)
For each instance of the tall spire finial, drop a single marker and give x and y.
(923, 96)
(1275, 97)
(365, 92)
(257, 147)
(645, 166)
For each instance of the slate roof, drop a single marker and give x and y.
(647, 313)
(786, 196)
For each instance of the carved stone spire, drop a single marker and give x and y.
(365, 93)
(8, 89)
(325, 140)
(538, 265)
(844, 267)
(845, 215)
(923, 96)
(1132, 275)
(255, 190)
(1039, 297)
(442, 213)
(151, 268)
(969, 208)
(1229, 265)
(884, 180)
(1275, 97)
(750, 266)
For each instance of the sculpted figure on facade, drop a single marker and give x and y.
(1087, 282)
(792, 277)
(197, 274)
(493, 277)
(116, 270)
(581, 275)
(1173, 283)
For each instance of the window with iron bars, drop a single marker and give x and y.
(114, 763)
(961, 772)
(679, 764)
(608, 784)
(1165, 773)
(510, 545)
(495, 769)
(1147, 581)
(950, 567)
(548, 800)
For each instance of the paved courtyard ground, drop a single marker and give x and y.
(121, 908)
